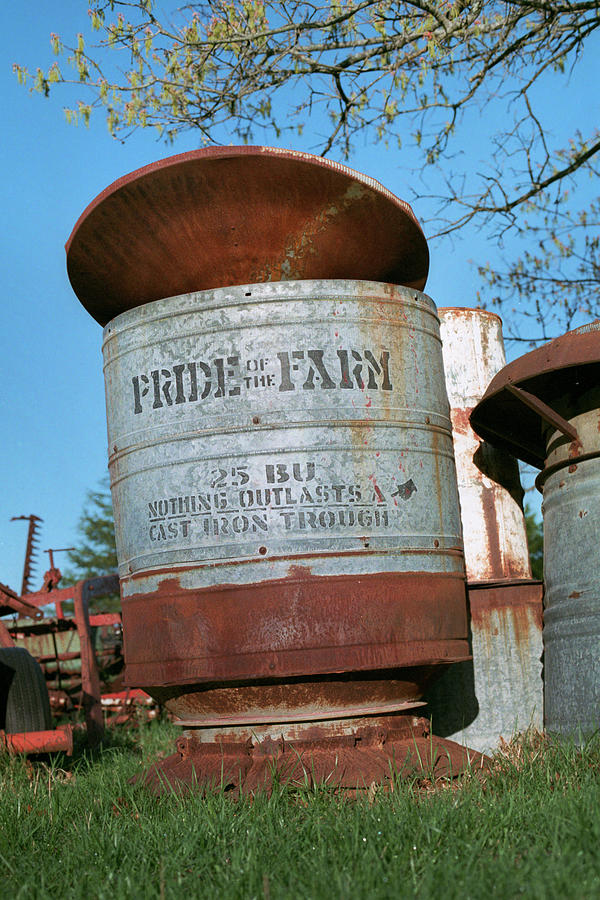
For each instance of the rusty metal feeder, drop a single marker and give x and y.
(281, 463)
(545, 408)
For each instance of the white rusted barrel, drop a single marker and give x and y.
(284, 485)
(489, 485)
(501, 690)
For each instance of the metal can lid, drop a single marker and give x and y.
(522, 398)
(227, 216)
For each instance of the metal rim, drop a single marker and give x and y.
(469, 310)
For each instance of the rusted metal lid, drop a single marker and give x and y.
(238, 215)
(543, 387)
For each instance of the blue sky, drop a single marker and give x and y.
(53, 446)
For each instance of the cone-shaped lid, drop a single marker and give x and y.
(238, 215)
(560, 374)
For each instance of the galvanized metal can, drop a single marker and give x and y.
(284, 487)
(545, 407)
(571, 508)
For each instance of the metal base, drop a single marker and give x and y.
(370, 752)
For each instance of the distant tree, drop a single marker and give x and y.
(535, 541)
(436, 76)
(95, 553)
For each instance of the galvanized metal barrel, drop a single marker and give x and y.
(545, 407)
(285, 498)
(571, 508)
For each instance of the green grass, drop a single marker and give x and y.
(77, 828)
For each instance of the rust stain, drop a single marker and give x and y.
(511, 613)
(362, 761)
(520, 595)
(302, 244)
(297, 572)
(296, 700)
(495, 557)
(168, 570)
(460, 418)
(299, 625)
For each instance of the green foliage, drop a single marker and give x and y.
(556, 281)
(405, 70)
(79, 828)
(204, 63)
(535, 542)
(95, 553)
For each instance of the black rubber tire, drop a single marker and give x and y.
(24, 701)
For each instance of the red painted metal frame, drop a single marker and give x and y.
(10, 602)
(81, 594)
(90, 679)
(34, 742)
(30, 549)
(5, 636)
